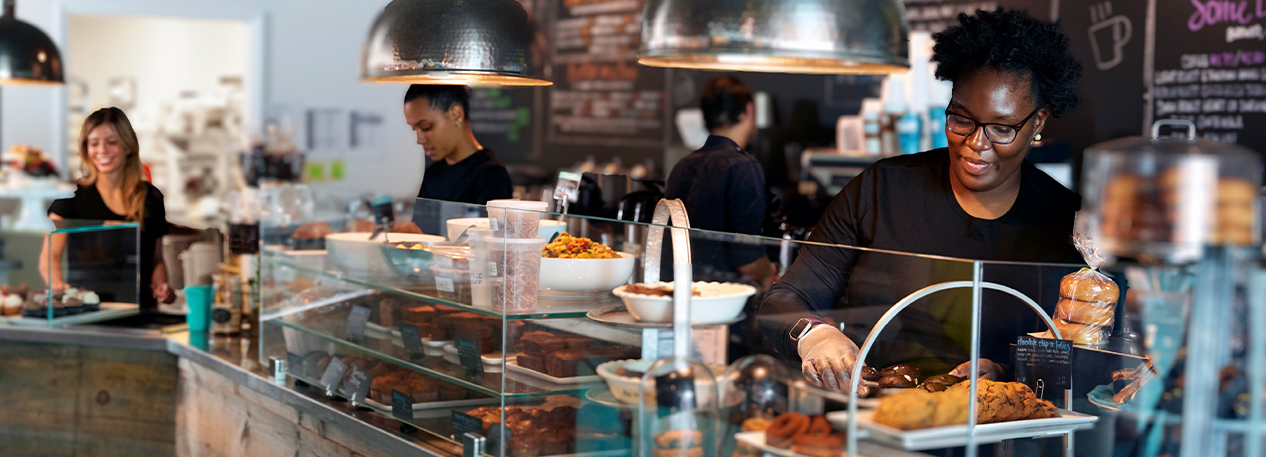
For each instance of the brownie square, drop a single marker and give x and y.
(419, 314)
(532, 362)
(562, 364)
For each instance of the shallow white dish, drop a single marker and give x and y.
(354, 253)
(719, 302)
(956, 435)
(546, 230)
(625, 388)
(757, 440)
(586, 275)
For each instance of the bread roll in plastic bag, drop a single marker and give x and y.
(1087, 299)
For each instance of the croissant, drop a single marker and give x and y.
(997, 402)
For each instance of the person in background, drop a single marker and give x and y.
(722, 185)
(463, 171)
(112, 189)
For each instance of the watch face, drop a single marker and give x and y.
(799, 328)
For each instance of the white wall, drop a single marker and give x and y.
(311, 50)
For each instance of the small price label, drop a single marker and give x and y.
(333, 374)
(412, 342)
(471, 357)
(1045, 365)
(357, 385)
(568, 186)
(497, 435)
(444, 285)
(492, 269)
(384, 215)
(494, 224)
(294, 364)
(465, 423)
(401, 406)
(356, 322)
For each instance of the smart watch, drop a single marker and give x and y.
(802, 328)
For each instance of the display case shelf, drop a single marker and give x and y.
(548, 307)
(506, 385)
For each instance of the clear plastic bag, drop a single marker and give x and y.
(1087, 299)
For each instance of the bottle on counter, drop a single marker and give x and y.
(226, 311)
(908, 129)
(871, 128)
(941, 93)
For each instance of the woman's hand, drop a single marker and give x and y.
(828, 357)
(988, 370)
(159, 286)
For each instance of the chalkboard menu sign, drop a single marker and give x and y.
(401, 406)
(465, 423)
(411, 337)
(356, 322)
(357, 385)
(1209, 67)
(1045, 365)
(601, 95)
(333, 374)
(471, 357)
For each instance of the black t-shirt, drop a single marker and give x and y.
(475, 180)
(723, 189)
(88, 205)
(906, 204)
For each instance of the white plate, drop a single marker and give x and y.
(956, 435)
(513, 366)
(865, 448)
(419, 407)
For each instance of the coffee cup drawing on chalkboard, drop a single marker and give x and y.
(1108, 35)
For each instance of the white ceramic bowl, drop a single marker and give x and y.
(719, 302)
(354, 253)
(456, 226)
(586, 275)
(625, 388)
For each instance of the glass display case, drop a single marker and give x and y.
(529, 333)
(91, 273)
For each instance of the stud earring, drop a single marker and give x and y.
(1038, 137)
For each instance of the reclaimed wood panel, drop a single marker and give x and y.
(66, 400)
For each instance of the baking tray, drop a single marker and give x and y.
(109, 310)
(864, 448)
(956, 435)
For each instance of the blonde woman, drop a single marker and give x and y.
(113, 189)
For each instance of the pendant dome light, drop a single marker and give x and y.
(27, 55)
(781, 36)
(474, 42)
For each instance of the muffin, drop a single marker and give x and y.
(12, 305)
(91, 301)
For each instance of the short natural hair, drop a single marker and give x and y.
(441, 97)
(1014, 42)
(724, 99)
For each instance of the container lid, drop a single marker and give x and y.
(519, 204)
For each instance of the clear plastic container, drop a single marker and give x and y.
(515, 218)
(515, 270)
(480, 282)
(452, 284)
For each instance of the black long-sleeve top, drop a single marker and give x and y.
(906, 204)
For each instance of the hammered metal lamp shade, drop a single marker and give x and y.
(781, 36)
(472, 42)
(27, 55)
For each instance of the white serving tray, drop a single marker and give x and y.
(956, 435)
(513, 366)
(864, 448)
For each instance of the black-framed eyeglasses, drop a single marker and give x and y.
(997, 133)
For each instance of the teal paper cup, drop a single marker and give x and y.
(199, 299)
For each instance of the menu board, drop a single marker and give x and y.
(601, 95)
(1045, 365)
(1209, 67)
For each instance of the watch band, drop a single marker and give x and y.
(802, 328)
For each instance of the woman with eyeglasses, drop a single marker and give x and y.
(977, 199)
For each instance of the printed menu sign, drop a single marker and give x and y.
(1209, 67)
(1045, 365)
(601, 95)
